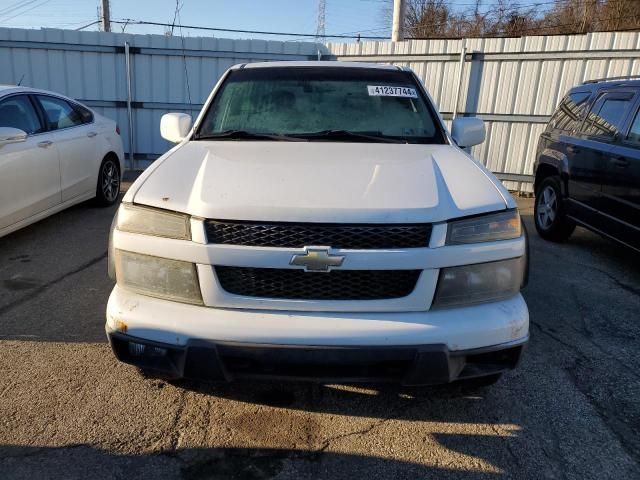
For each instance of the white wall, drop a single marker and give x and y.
(90, 67)
(512, 83)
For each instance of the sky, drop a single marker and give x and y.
(368, 17)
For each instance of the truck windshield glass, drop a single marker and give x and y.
(321, 104)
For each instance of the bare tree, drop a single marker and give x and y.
(439, 18)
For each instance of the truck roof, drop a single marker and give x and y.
(317, 64)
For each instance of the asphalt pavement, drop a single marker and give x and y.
(69, 410)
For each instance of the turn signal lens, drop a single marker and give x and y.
(485, 228)
(153, 221)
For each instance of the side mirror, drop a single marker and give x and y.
(11, 135)
(468, 131)
(175, 126)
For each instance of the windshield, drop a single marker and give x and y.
(321, 104)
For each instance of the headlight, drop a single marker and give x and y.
(485, 228)
(110, 251)
(158, 277)
(152, 221)
(482, 282)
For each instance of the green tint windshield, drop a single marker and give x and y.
(314, 103)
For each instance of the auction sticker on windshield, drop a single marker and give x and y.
(388, 91)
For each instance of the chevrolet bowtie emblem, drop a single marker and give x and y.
(317, 259)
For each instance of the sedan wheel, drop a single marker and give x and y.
(108, 187)
(110, 181)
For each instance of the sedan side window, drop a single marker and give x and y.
(60, 113)
(634, 133)
(85, 114)
(18, 112)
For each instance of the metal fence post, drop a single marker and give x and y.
(127, 58)
(463, 56)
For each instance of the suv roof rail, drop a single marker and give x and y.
(607, 79)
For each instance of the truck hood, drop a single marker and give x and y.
(319, 182)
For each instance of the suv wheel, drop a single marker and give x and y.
(108, 187)
(550, 218)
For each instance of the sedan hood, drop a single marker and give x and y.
(320, 182)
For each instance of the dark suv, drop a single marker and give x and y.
(587, 169)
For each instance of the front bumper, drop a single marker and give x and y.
(432, 346)
(226, 361)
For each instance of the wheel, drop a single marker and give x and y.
(549, 214)
(108, 187)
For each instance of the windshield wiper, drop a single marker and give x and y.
(245, 135)
(349, 135)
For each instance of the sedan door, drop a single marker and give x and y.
(621, 188)
(75, 140)
(29, 170)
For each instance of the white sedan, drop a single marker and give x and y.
(54, 153)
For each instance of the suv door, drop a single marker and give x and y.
(29, 170)
(74, 135)
(621, 187)
(589, 163)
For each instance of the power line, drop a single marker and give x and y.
(16, 6)
(27, 10)
(233, 30)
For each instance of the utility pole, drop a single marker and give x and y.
(397, 32)
(106, 17)
(320, 25)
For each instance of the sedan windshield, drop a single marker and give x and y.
(321, 104)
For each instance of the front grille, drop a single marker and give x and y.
(300, 285)
(298, 235)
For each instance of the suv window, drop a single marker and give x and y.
(608, 114)
(570, 112)
(60, 113)
(634, 133)
(18, 112)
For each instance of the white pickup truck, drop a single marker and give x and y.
(319, 222)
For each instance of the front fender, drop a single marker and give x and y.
(558, 161)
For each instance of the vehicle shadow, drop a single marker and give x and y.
(75, 462)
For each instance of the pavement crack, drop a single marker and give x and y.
(174, 428)
(608, 414)
(625, 286)
(576, 351)
(37, 291)
(505, 439)
(328, 441)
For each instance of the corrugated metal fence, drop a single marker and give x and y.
(167, 73)
(514, 84)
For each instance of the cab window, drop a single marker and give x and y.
(18, 112)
